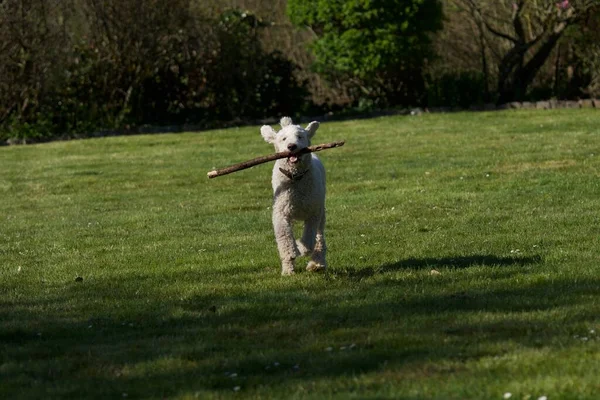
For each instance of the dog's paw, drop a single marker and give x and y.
(287, 267)
(315, 267)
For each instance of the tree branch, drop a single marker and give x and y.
(517, 23)
(477, 12)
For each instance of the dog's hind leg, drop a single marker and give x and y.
(318, 262)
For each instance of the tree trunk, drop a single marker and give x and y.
(529, 71)
(515, 75)
(484, 62)
(509, 70)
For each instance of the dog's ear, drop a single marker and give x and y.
(285, 121)
(268, 133)
(312, 128)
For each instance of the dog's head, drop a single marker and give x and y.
(291, 137)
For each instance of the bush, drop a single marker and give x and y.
(378, 47)
(247, 82)
(456, 89)
(586, 57)
(119, 64)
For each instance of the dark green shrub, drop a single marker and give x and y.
(144, 62)
(378, 47)
(247, 81)
(456, 89)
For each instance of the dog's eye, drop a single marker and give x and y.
(283, 139)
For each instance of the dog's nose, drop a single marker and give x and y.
(292, 147)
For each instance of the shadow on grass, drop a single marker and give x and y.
(103, 339)
(463, 262)
(434, 263)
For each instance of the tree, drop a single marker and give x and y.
(378, 47)
(72, 67)
(587, 56)
(31, 51)
(532, 28)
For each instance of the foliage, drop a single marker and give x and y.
(120, 64)
(586, 57)
(31, 54)
(72, 67)
(453, 89)
(258, 84)
(180, 296)
(532, 30)
(378, 47)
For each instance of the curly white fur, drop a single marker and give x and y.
(298, 195)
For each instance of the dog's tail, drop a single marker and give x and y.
(285, 121)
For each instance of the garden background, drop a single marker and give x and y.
(71, 68)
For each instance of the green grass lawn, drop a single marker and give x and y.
(463, 264)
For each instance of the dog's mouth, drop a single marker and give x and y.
(293, 159)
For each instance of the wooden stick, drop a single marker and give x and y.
(272, 157)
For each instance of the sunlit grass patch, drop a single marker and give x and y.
(462, 251)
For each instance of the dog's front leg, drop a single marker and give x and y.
(284, 235)
(306, 244)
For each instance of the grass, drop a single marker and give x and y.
(463, 253)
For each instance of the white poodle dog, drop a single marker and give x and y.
(298, 194)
